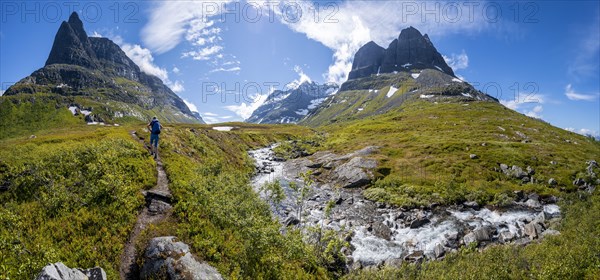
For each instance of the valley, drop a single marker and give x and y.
(403, 171)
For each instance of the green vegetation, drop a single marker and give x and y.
(425, 148)
(24, 115)
(72, 197)
(218, 213)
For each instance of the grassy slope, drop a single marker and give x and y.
(217, 211)
(426, 149)
(74, 194)
(73, 197)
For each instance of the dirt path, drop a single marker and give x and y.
(157, 208)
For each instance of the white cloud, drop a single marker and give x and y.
(176, 70)
(211, 118)
(535, 112)
(302, 78)
(572, 95)
(171, 22)
(96, 34)
(191, 106)
(177, 86)
(144, 59)
(2, 92)
(245, 110)
(457, 62)
(231, 69)
(353, 23)
(585, 62)
(530, 105)
(584, 131)
(203, 53)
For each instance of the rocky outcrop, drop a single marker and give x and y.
(166, 258)
(367, 61)
(411, 50)
(59, 271)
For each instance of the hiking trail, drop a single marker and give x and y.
(157, 208)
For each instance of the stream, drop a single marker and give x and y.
(383, 234)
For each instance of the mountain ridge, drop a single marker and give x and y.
(411, 50)
(98, 69)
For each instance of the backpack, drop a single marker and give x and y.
(155, 127)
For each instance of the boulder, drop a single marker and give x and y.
(532, 203)
(419, 222)
(59, 271)
(533, 230)
(473, 156)
(416, 256)
(578, 182)
(381, 230)
(478, 235)
(166, 258)
(352, 174)
(552, 182)
(438, 251)
(506, 236)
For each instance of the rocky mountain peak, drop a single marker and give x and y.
(72, 45)
(411, 50)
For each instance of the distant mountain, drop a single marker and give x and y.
(381, 80)
(96, 73)
(410, 51)
(293, 104)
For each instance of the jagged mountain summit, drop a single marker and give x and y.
(382, 80)
(96, 73)
(293, 104)
(411, 50)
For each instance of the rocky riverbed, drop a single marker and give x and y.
(382, 234)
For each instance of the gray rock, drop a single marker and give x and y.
(381, 230)
(506, 236)
(419, 222)
(471, 204)
(416, 256)
(393, 262)
(503, 167)
(553, 162)
(59, 271)
(352, 174)
(473, 156)
(525, 180)
(165, 258)
(549, 232)
(532, 203)
(534, 196)
(533, 230)
(291, 220)
(478, 235)
(552, 182)
(439, 251)
(578, 182)
(158, 207)
(530, 170)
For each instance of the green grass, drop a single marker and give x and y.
(73, 197)
(426, 149)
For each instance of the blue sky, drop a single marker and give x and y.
(224, 57)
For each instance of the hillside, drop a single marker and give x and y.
(95, 77)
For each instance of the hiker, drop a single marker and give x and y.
(155, 128)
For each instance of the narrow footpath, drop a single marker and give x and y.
(157, 208)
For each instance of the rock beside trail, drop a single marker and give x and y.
(166, 258)
(59, 271)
